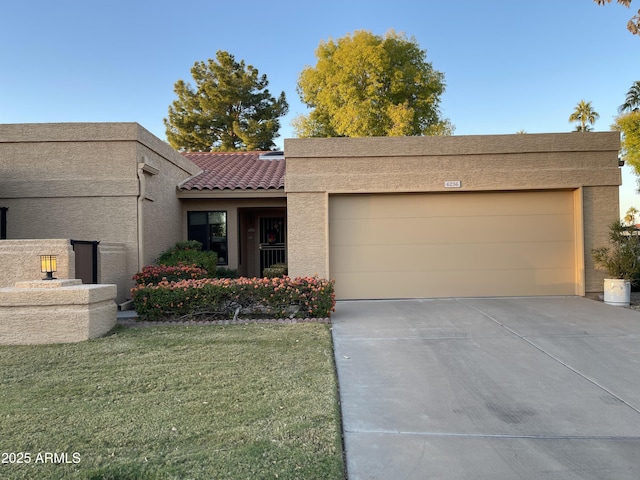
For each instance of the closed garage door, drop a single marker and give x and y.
(452, 244)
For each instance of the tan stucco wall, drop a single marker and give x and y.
(161, 209)
(80, 181)
(20, 259)
(600, 205)
(114, 267)
(308, 234)
(105, 219)
(317, 168)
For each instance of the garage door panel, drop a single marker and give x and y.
(452, 244)
(383, 231)
(438, 205)
(498, 283)
(444, 257)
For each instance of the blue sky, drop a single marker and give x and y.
(508, 65)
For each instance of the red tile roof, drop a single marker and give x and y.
(235, 171)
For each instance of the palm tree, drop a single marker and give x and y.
(632, 102)
(630, 217)
(634, 24)
(584, 114)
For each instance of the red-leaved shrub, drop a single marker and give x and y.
(154, 274)
(282, 297)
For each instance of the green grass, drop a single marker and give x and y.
(175, 402)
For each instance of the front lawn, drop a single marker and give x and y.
(174, 402)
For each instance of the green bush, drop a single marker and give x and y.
(621, 258)
(276, 270)
(188, 245)
(189, 253)
(222, 272)
(309, 297)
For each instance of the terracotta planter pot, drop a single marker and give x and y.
(617, 292)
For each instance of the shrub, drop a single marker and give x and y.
(222, 272)
(276, 270)
(188, 245)
(621, 258)
(154, 274)
(189, 253)
(308, 297)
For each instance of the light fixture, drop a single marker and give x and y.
(48, 265)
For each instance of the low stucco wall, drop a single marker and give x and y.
(55, 311)
(20, 259)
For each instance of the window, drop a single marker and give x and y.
(210, 229)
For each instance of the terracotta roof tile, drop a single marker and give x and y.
(235, 171)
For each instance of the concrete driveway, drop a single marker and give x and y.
(492, 388)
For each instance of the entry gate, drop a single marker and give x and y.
(86, 260)
(273, 247)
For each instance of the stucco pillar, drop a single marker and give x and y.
(601, 209)
(308, 234)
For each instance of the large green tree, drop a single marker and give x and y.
(632, 102)
(629, 125)
(229, 109)
(634, 24)
(366, 85)
(583, 114)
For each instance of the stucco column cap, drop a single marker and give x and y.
(55, 283)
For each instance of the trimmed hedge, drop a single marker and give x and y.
(223, 298)
(154, 274)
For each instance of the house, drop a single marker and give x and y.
(393, 217)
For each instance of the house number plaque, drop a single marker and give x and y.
(452, 184)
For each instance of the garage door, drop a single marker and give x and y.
(452, 244)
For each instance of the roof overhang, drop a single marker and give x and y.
(271, 193)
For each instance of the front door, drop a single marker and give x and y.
(273, 237)
(262, 239)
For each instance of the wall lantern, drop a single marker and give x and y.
(48, 265)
